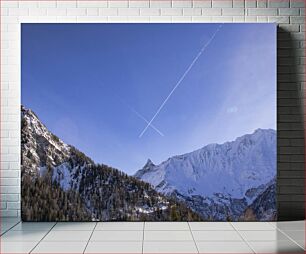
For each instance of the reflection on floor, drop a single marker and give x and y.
(152, 237)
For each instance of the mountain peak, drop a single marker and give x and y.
(149, 163)
(248, 161)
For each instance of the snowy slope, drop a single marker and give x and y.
(61, 183)
(218, 174)
(231, 168)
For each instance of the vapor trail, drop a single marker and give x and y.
(181, 79)
(140, 116)
(151, 125)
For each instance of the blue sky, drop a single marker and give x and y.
(88, 83)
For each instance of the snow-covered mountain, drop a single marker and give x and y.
(60, 183)
(219, 180)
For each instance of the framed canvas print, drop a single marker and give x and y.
(148, 122)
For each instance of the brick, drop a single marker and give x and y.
(118, 4)
(9, 181)
(172, 11)
(291, 134)
(238, 3)
(3, 206)
(250, 3)
(262, 12)
(211, 11)
(290, 127)
(202, 3)
(9, 213)
(128, 11)
(291, 198)
(9, 4)
(181, 19)
(181, 3)
(289, 28)
(291, 190)
(298, 142)
(160, 4)
(18, 12)
(10, 189)
(139, 4)
(37, 11)
(13, 205)
(291, 182)
(222, 3)
(76, 12)
(279, 19)
(201, 19)
(47, 4)
(14, 165)
(302, 28)
(278, 3)
(250, 19)
(262, 3)
(92, 11)
(155, 19)
(289, 118)
(297, 20)
(57, 12)
(9, 197)
(4, 11)
(66, 4)
(138, 19)
(291, 174)
(150, 12)
(222, 19)
(192, 11)
(238, 19)
(291, 150)
(9, 173)
(297, 3)
(108, 11)
(289, 11)
(93, 4)
(233, 12)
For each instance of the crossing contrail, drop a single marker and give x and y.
(151, 125)
(140, 116)
(181, 79)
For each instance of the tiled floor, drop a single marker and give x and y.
(152, 237)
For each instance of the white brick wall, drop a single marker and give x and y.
(289, 13)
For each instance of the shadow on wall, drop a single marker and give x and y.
(290, 128)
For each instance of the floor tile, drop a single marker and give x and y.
(9, 220)
(22, 236)
(167, 236)
(101, 236)
(63, 226)
(33, 226)
(5, 226)
(263, 235)
(114, 247)
(166, 226)
(223, 247)
(69, 236)
(290, 225)
(252, 226)
(276, 247)
(120, 226)
(297, 236)
(60, 247)
(221, 226)
(17, 247)
(169, 247)
(216, 236)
